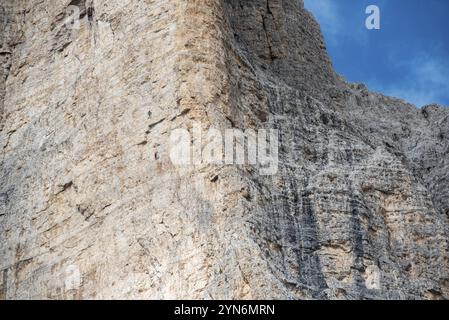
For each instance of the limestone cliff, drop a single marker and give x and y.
(358, 208)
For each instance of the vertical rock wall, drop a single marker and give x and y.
(91, 206)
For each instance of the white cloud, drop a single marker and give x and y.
(426, 80)
(334, 25)
(327, 14)
(425, 77)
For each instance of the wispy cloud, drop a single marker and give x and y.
(423, 66)
(334, 23)
(425, 80)
(328, 15)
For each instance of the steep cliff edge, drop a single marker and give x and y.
(358, 208)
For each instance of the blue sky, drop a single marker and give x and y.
(407, 58)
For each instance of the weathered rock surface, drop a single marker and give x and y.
(357, 210)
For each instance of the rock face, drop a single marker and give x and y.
(91, 205)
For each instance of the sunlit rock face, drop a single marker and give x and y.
(92, 207)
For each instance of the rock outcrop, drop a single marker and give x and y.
(91, 205)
